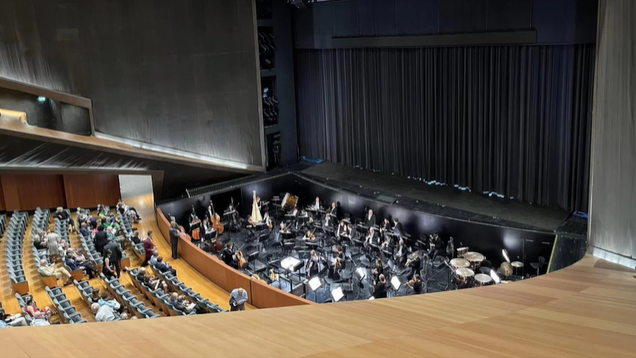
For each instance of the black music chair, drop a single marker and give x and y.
(538, 265)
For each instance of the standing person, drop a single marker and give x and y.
(174, 239)
(101, 239)
(238, 297)
(115, 256)
(379, 288)
(149, 247)
(52, 240)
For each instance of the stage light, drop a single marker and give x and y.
(504, 252)
(41, 99)
(396, 283)
(315, 283)
(337, 294)
(361, 272)
(494, 276)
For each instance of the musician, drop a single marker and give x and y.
(342, 228)
(378, 269)
(326, 222)
(370, 237)
(267, 220)
(208, 230)
(316, 205)
(415, 263)
(312, 264)
(400, 255)
(379, 287)
(339, 253)
(193, 216)
(385, 226)
(228, 255)
(294, 212)
(309, 236)
(369, 219)
(334, 269)
(386, 244)
(209, 212)
(415, 284)
(232, 215)
(334, 209)
(397, 227)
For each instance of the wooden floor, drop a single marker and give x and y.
(580, 311)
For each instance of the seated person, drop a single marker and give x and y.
(228, 255)
(141, 274)
(40, 241)
(39, 319)
(47, 270)
(31, 308)
(309, 236)
(107, 299)
(62, 214)
(164, 266)
(153, 283)
(154, 257)
(415, 284)
(135, 238)
(95, 296)
(184, 305)
(14, 320)
(84, 230)
(103, 313)
(74, 263)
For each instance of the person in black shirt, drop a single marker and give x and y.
(228, 255)
(61, 214)
(415, 284)
(379, 288)
(415, 263)
(101, 239)
(174, 239)
(369, 219)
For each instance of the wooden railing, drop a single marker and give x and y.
(259, 294)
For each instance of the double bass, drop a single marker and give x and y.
(215, 220)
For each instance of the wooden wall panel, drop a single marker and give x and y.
(88, 190)
(266, 296)
(27, 192)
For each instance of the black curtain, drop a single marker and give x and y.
(514, 120)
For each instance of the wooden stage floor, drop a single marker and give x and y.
(580, 311)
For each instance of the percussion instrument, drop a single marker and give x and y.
(459, 263)
(461, 251)
(289, 201)
(483, 280)
(505, 269)
(464, 277)
(475, 259)
(516, 265)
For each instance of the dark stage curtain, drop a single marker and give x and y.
(510, 119)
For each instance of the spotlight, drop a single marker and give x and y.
(337, 294)
(396, 283)
(41, 99)
(504, 252)
(315, 283)
(494, 276)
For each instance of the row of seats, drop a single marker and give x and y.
(40, 222)
(125, 297)
(157, 297)
(67, 311)
(22, 304)
(128, 233)
(13, 250)
(177, 286)
(94, 257)
(85, 291)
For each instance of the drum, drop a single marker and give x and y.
(459, 263)
(483, 280)
(289, 202)
(461, 251)
(475, 259)
(463, 277)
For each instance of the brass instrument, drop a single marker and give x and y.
(272, 275)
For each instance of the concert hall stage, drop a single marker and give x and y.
(484, 224)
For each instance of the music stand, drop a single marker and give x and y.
(314, 284)
(253, 262)
(396, 284)
(337, 294)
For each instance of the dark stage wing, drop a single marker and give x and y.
(510, 119)
(177, 74)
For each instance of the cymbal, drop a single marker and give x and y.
(517, 264)
(459, 262)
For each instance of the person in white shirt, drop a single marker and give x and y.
(103, 313)
(153, 259)
(317, 204)
(39, 320)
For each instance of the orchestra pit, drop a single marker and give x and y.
(317, 178)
